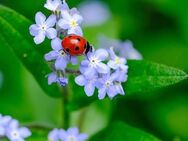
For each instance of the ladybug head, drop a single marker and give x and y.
(89, 48)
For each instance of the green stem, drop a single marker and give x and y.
(66, 113)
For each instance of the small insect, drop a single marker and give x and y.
(75, 45)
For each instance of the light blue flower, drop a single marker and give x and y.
(93, 65)
(72, 134)
(117, 62)
(56, 5)
(88, 83)
(4, 122)
(106, 86)
(54, 78)
(91, 10)
(124, 49)
(128, 51)
(43, 28)
(70, 21)
(16, 133)
(55, 135)
(59, 55)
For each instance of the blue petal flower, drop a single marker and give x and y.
(43, 28)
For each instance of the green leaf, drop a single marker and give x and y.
(147, 76)
(119, 131)
(143, 76)
(14, 32)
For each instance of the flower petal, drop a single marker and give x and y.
(78, 18)
(64, 24)
(50, 22)
(90, 73)
(112, 64)
(111, 91)
(73, 131)
(119, 89)
(56, 44)
(14, 124)
(74, 60)
(76, 30)
(102, 54)
(52, 77)
(85, 63)
(80, 80)
(82, 137)
(61, 63)
(66, 15)
(40, 18)
(102, 68)
(89, 89)
(51, 33)
(102, 93)
(2, 131)
(33, 29)
(52, 55)
(39, 38)
(112, 53)
(24, 132)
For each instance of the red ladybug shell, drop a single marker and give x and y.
(74, 45)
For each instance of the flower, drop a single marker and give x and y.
(43, 28)
(128, 51)
(124, 49)
(116, 62)
(91, 10)
(72, 134)
(15, 133)
(93, 64)
(54, 135)
(54, 78)
(60, 57)
(106, 86)
(71, 21)
(88, 83)
(4, 121)
(55, 5)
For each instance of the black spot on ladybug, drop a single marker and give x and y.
(78, 39)
(70, 36)
(67, 50)
(77, 48)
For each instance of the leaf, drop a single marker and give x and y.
(119, 131)
(14, 33)
(147, 76)
(143, 76)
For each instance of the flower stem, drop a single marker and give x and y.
(66, 113)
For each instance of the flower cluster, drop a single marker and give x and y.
(10, 128)
(100, 69)
(72, 134)
(107, 78)
(122, 48)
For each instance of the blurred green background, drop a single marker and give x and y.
(158, 29)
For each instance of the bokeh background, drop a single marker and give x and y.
(158, 29)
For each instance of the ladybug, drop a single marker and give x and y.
(75, 45)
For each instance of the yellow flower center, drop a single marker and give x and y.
(117, 60)
(71, 138)
(73, 23)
